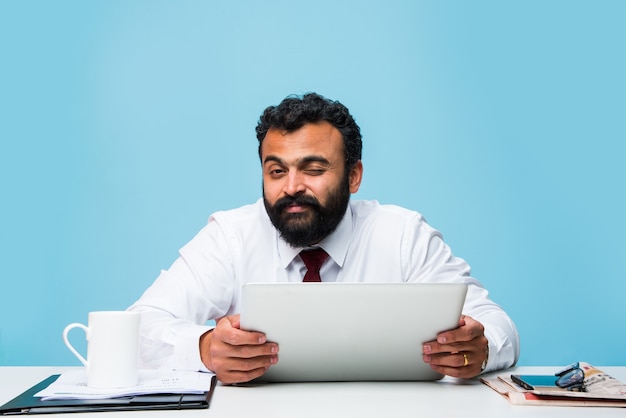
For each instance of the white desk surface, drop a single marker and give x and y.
(446, 398)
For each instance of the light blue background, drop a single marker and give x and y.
(124, 124)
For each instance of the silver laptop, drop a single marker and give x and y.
(351, 331)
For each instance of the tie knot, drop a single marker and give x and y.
(313, 260)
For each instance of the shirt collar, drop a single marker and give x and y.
(336, 244)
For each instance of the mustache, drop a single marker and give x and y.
(282, 203)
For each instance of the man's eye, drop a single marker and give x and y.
(315, 171)
(277, 172)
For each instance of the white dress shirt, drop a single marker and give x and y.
(373, 243)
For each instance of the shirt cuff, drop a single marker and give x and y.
(502, 352)
(186, 355)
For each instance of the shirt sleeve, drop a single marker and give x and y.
(176, 307)
(430, 259)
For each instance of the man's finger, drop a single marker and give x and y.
(232, 335)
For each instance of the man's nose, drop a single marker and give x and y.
(295, 183)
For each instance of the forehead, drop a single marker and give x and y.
(320, 138)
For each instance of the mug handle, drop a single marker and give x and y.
(67, 342)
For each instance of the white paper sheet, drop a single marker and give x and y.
(73, 385)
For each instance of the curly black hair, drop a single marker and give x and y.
(293, 112)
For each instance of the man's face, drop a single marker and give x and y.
(306, 189)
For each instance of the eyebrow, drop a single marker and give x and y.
(303, 161)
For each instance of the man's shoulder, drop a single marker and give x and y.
(385, 224)
(365, 209)
(253, 213)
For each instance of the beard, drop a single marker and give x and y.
(308, 228)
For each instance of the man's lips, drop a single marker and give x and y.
(296, 208)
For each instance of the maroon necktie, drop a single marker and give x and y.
(313, 260)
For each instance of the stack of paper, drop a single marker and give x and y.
(73, 385)
(601, 390)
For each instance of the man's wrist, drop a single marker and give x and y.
(486, 360)
(205, 349)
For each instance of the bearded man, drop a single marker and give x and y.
(310, 152)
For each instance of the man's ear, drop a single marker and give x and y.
(355, 177)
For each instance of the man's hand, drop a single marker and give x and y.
(459, 352)
(235, 355)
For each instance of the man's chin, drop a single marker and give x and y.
(296, 218)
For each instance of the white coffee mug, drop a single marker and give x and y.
(112, 348)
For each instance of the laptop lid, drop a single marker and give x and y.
(351, 331)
